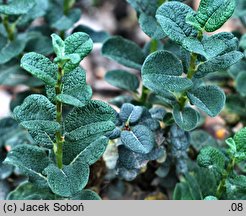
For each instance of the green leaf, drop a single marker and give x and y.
(41, 44)
(31, 160)
(200, 138)
(86, 195)
(69, 180)
(209, 99)
(38, 10)
(236, 187)
(240, 141)
(40, 67)
(140, 139)
(29, 191)
(58, 45)
(218, 63)
(212, 15)
(37, 113)
(146, 17)
(10, 50)
(182, 192)
(124, 52)
(17, 7)
(42, 125)
(162, 71)
(96, 36)
(123, 80)
(211, 158)
(87, 150)
(94, 111)
(91, 129)
(35, 107)
(187, 118)
(235, 69)
(78, 43)
(212, 46)
(130, 113)
(240, 83)
(75, 90)
(65, 22)
(171, 17)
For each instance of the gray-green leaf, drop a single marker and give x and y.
(40, 67)
(162, 71)
(187, 118)
(122, 79)
(17, 7)
(171, 17)
(140, 139)
(124, 52)
(209, 99)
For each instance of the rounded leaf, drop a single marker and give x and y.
(209, 99)
(187, 118)
(124, 52)
(211, 158)
(140, 139)
(162, 71)
(122, 79)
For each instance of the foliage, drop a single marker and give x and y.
(52, 144)
(64, 147)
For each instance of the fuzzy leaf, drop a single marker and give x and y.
(124, 52)
(29, 191)
(236, 187)
(91, 129)
(212, 15)
(78, 43)
(212, 46)
(140, 139)
(42, 125)
(162, 71)
(75, 90)
(218, 63)
(171, 17)
(31, 160)
(94, 111)
(86, 195)
(11, 50)
(211, 158)
(37, 113)
(209, 99)
(58, 45)
(130, 113)
(69, 180)
(40, 67)
(240, 141)
(88, 151)
(122, 79)
(187, 118)
(17, 7)
(35, 107)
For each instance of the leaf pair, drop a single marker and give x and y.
(162, 71)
